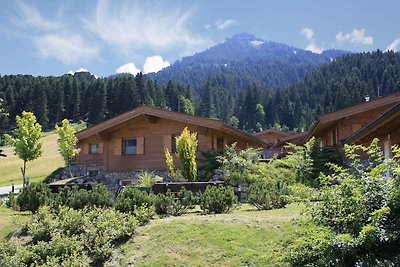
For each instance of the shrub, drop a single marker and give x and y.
(146, 179)
(104, 228)
(77, 198)
(360, 206)
(186, 145)
(144, 214)
(132, 198)
(163, 203)
(303, 193)
(33, 196)
(237, 164)
(218, 199)
(11, 201)
(169, 161)
(210, 162)
(271, 195)
(168, 204)
(72, 236)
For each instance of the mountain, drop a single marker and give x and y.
(244, 59)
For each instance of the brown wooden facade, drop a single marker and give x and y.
(151, 130)
(273, 136)
(386, 128)
(332, 129)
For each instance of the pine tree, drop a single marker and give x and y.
(207, 102)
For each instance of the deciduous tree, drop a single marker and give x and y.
(67, 142)
(26, 141)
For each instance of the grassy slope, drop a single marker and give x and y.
(10, 220)
(245, 237)
(37, 169)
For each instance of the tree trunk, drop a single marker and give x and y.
(23, 174)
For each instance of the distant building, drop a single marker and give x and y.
(334, 128)
(273, 136)
(385, 127)
(136, 140)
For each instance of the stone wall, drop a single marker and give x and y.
(95, 173)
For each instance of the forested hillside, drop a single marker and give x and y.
(242, 60)
(343, 82)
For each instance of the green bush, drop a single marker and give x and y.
(183, 201)
(218, 199)
(68, 237)
(360, 207)
(33, 196)
(167, 204)
(132, 198)
(144, 213)
(105, 228)
(268, 195)
(163, 203)
(237, 164)
(77, 198)
(303, 193)
(11, 201)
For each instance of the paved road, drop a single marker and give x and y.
(4, 190)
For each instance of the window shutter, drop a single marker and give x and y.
(85, 148)
(168, 142)
(118, 147)
(140, 145)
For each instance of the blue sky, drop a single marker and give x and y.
(106, 37)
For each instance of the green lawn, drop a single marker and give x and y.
(38, 169)
(245, 237)
(10, 220)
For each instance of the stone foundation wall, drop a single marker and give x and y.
(95, 173)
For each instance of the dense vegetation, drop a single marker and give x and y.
(343, 82)
(357, 216)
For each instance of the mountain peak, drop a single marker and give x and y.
(243, 36)
(245, 55)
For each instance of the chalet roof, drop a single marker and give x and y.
(294, 139)
(170, 115)
(324, 121)
(385, 123)
(274, 131)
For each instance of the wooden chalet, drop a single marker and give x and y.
(273, 136)
(385, 127)
(332, 129)
(136, 140)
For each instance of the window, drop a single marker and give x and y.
(130, 146)
(94, 148)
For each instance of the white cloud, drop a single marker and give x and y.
(394, 45)
(130, 26)
(32, 18)
(207, 26)
(128, 68)
(68, 48)
(223, 24)
(357, 36)
(52, 40)
(154, 64)
(308, 33)
(311, 46)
